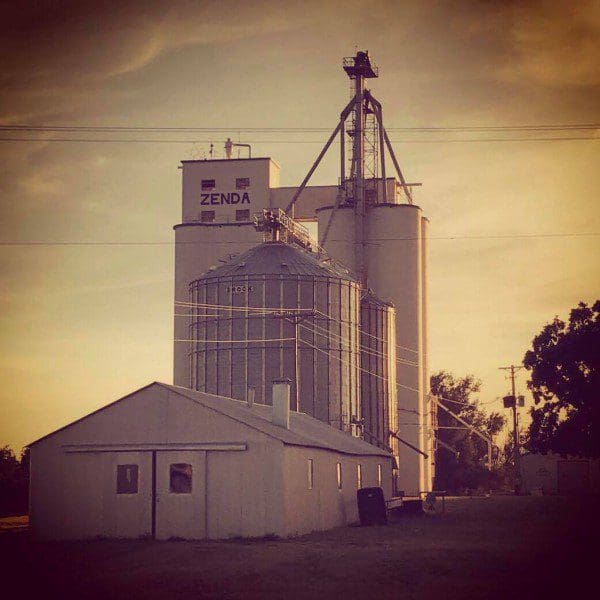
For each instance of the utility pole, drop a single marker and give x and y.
(511, 402)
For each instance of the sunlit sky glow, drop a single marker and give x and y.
(85, 324)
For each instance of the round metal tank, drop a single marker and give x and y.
(250, 315)
(378, 370)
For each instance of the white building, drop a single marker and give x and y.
(167, 462)
(549, 474)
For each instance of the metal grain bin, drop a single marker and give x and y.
(250, 315)
(378, 370)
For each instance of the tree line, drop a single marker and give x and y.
(564, 379)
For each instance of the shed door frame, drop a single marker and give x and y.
(153, 449)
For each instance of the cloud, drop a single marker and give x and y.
(65, 43)
(555, 43)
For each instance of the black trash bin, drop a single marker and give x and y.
(371, 506)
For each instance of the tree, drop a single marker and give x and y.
(14, 482)
(461, 455)
(565, 382)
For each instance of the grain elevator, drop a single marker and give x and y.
(343, 317)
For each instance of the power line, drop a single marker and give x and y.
(367, 333)
(262, 312)
(208, 141)
(387, 379)
(432, 238)
(363, 349)
(225, 307)
(237, 341)
(135, 128)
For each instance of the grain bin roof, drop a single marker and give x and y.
(278, 258)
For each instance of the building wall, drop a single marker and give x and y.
(262, 173)
(73, 494)
(326, 506)
(312, 197)
(244, 492)
(552, 474)
(198, 247)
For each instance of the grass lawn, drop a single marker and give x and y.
(482, 548)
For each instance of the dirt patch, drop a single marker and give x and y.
(504, 547)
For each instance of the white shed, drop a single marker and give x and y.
(168, 462)
(554, 474)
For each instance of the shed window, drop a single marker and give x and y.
(208, 184)
(127, 479)
(180, 478)
(359, 476)
(242, 215)
(207, 216)
(338, 470)
(379, 476)
(241, 183)
(311, 474)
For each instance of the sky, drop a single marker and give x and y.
(86, 268)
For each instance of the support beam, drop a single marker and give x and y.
(343, 117)
(400, 176)
(323, 240)
(409, 445)
(379, 116)
(488, 440)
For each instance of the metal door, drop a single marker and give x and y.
(180, 494)
(127, 506)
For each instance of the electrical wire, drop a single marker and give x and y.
(366, 348)
(364, 371)
(329, 317)
(262, 310)
(265, 311)
(8, 243)
(237, 341)
(328, 333)
(343, 340)
(328, 354)
(128, 128)
(454, 401)
(270, 142)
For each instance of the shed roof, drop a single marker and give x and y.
(304, 430)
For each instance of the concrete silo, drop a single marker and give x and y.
(395, 260)
(278, 311)
(395, 268)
